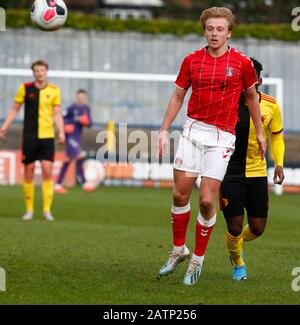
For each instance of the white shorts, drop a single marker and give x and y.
(203, 149)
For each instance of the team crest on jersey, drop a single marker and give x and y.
(263, 118)
(229, 72)
(31, 95)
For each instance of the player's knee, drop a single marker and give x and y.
(257, 230)
(28, 173)
(206, 204)
(180, 198)
(234, 229)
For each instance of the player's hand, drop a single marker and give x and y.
(262, 146)
(162, 144)
(2, 133)
(278, 175)
(69, 128)
(61, 137)
(84, 120)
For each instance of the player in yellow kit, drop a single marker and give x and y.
(245, 184)
(42, 108)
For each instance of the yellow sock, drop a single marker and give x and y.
(28, 191)
(235, 247)
(48, 190)
(247, 234)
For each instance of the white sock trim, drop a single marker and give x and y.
(199, 259)
(178, 248)
(207, 223)
(180, 210)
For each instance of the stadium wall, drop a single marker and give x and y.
(134, 53)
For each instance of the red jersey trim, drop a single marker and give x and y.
(253, 85)
(180, 87)
(29, 84)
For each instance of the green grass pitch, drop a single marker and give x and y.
(106, 248)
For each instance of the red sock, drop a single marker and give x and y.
(179, 224)
(203, 231)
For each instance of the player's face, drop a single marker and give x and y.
(81, 98)
(40, 73)
(216, 32)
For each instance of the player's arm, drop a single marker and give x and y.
(19, 100)
(9, 119)
(59, 122)
(254, 110)
(174, 106)
(277, 144)
(278, 156)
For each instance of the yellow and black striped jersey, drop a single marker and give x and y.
(39, 105)
(246, 160)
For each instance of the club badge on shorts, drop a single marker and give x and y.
(178, 161)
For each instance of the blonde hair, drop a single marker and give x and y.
(218, 12)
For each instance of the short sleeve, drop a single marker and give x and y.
(183, 79)
(20, 96)
(276, 123)
(249, 77)
(56, 100)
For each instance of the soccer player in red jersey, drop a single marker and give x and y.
(217, 74)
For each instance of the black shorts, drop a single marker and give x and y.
(249, 193)
(37, 149)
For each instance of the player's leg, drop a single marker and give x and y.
(28, 190)
(29, 149)
(46, 157)
(215, 160)
(205, 222)
(184, 180)
(79, 169)
(255, 228)
(80, 173)
(181, 211)
(232, 200)
(47, 188)
(58, 185)
(257, 205)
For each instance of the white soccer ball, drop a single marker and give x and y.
(94, 172)
(49, 15)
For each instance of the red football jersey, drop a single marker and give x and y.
(217, 84)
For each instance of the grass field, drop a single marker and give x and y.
(106, 247)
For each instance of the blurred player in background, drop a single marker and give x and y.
(76, 117)
(246, 184)
(217, 74)
(42, 109)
